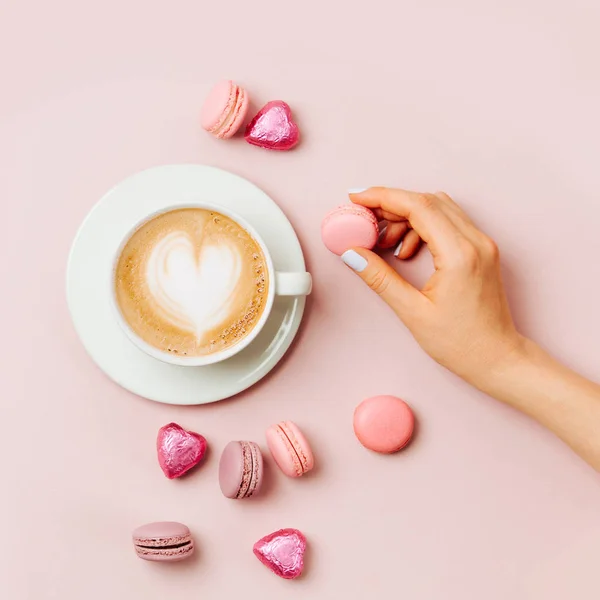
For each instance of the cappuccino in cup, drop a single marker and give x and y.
(192, 282)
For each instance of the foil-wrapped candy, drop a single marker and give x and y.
(273, 127)
(282, 552)
(179, 450)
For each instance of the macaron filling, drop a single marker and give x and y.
(255, 470)
(164, 547)
(246, 470)
(250, 470)
(167, 547)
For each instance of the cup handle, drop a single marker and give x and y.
(292, 284)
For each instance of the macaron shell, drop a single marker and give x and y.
(384, 424)
(282, 452)
(231, 469)
(240, 470)
(216, 104)
(240, 111)
(161, 530)
(162, 541)
(252, 470)
(300, 444)
(224, 109)
(349, 226)
(290, 449)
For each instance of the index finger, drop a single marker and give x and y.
(420, 210)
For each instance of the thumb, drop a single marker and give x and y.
(400, 295)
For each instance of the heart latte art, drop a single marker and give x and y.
(191, 282)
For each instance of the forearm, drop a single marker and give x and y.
(560, 399)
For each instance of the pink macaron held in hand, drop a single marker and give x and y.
(290, 449)
(384, 424)
(224, 109)
(349, 226)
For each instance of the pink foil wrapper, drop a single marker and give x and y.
(283, 552)
(179, 450)
(273, 127)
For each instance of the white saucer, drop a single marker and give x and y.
(89, 275)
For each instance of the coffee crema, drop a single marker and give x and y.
(191, 282)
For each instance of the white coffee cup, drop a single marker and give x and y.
(283, 284)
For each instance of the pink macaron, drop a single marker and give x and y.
(241, 470)
(225, 109)
(384, 424)
(349, 226)
(290, 449)
(165, 541)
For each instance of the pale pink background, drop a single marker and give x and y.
(495, 102)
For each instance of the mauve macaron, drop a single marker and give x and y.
(384, 424)
(241, 470)
(224, 109)
(290, 449)
(349, 226)
(165, 541)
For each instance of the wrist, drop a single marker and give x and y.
(512, 358)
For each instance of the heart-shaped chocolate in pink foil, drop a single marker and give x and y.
(273, 127)
(282, 552)
(179, 450)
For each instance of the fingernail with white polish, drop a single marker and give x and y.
(397, 250)
(381, 235)
(354, 260)
(357, 190)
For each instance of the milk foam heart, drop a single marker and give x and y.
(191, 282)
(193, 290)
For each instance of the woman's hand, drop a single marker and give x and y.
(461, 317)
